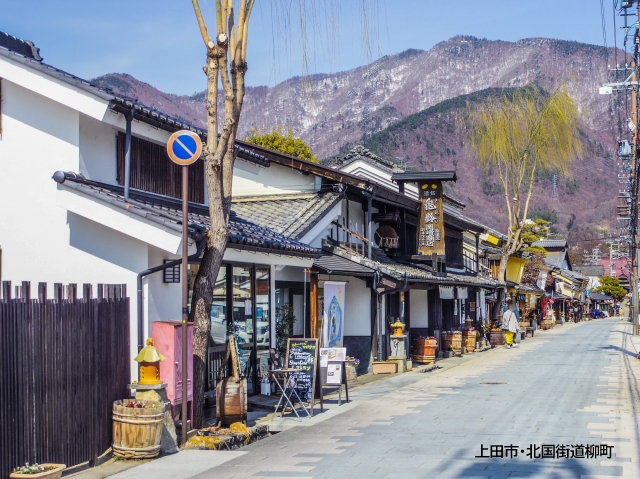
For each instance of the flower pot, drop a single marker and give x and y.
(137, 430)
(496, 338)
(424, 350)
(469, 340)
(54, 473)
(452, 340)
(384, 367)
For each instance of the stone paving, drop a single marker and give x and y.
(574, 385)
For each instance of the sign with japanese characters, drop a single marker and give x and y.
(431, 228)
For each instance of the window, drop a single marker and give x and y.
(171, 274)
(152, 170)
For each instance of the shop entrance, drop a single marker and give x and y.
(241, 306)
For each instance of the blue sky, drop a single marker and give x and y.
(158, 41)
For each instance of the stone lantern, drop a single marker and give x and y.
(149, 359)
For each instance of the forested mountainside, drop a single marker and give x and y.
(407, 105)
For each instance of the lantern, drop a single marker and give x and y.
(398, 327)
(149, 359)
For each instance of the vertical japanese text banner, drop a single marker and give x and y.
(431, 230)
(333, 314)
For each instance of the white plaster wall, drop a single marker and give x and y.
(164, 300)
(291, 273)
(365, 169)
(98, 150)
(40, 241)
(357, 319)
(418, 308)
(276, 179)
(46, 86)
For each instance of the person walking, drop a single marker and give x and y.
(510, 325)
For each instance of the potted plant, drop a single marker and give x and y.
(496, 337)
(424, 350)
(469, 340)
(351, 364)
(50, 471)
(384, 367)
(452, 341)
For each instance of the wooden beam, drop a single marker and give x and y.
(313, 307)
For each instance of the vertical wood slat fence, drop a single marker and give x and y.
(63, 362)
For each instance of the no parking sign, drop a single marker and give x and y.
(184, 147)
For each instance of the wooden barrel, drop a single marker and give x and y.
(137, 430)
(424, 350)
(231, 401)
(452, 340)
(469, 341)
(496, 338)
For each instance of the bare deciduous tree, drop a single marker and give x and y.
(226, 64)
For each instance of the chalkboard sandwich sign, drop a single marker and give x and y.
(302, 354)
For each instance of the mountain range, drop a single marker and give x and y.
(406, 107)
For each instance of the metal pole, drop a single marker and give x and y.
(127, 155)
(634, 208)
(369, 214)
(185, 297)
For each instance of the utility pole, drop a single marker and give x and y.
(634, 195)
(628, 153)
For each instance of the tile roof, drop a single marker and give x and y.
(167, 212)
(291, 215)
(23, 47)
(333, 264)
(555, 259)
(600, 297)
(590, 270)
(413, 272)
(551, 243)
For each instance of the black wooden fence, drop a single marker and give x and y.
(63, 362)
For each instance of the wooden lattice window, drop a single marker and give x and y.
(152, 170)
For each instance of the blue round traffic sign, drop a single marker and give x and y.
(184, 147)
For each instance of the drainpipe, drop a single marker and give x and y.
(199, 249)
(127, 155)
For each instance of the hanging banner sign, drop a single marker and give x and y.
(333, 314)
(431, 229)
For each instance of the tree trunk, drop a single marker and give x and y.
(219, 208)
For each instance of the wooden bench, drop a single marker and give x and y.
(529, 330)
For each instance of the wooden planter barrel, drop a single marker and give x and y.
(496, 338)
(231, 401)
(469, 341)
(546, 324)
(424, 350)
(452, 340)
(137, 430)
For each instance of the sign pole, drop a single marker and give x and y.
(184, 148)
(185, 298)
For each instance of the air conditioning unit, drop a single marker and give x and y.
(627, 3)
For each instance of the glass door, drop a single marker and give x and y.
(263, 318)
(243, 321)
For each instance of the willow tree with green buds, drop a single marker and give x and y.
(519, 136)
(226, 65)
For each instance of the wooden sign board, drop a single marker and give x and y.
(431, 228)
(302, 353)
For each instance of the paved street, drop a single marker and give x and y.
(573, 385)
